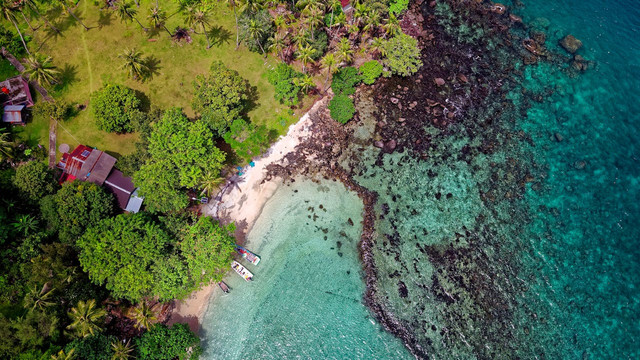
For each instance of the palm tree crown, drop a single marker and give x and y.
(85, 318)
(135, 64)
(122, 350)
(143, 315)
(41, 70)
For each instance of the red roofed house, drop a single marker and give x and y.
(88, 164)
(15, 96)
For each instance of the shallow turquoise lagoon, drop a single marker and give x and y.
(306, 298)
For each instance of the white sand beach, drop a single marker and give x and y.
(242, 204)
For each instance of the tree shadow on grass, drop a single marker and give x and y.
(252, 100)
(67, 77)
(104, 19)
(219, 35)
(145, 103)
(153, 66)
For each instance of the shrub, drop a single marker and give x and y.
(370, 71)
(403, 55)
(345, 80)
(319, 43)
(282, 79)
(398, 6)
(113, 106)
(220, 96)
(167, 343)
(11, 41)
(34, 180)
(342, 108)
(247, 140)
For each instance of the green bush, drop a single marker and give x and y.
(370, 71)
(96, 347)
(403, 55)
(265, 22)
(168, 343)
(345, 80)
(342, 108)
(35, 180)
(319, 43)
(281, 78)
(398, 6)
(113, 106)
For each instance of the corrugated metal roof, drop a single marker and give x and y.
(135, 203)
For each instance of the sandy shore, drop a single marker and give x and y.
(242, 204)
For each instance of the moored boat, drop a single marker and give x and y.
(223, 286)
(242, 271)
(251, 257)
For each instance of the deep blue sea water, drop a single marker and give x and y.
(551, 274)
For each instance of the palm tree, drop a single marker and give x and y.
(134, 63)
(372, 21)
(143, 315)
(256, 32)
(66, 6)
(122, 350)
(328, 62)
(252, 6)
(199, 16)
(6, 146)
(125, 11)
(210, 182)
(38, 299)
(305, 83)
(85, 318)
(392, 26)
(31, 4)
(9, 10)
(278, 43)
(377, 46)
(41, 70)
(158, 18)
(62, 356)
(345, 53)
(313, 17)
(26, 224)
(233, 4)
(305, 54)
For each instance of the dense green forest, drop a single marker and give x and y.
(79, 278)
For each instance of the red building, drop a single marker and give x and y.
(88, 164)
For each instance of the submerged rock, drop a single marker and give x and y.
(570, 43)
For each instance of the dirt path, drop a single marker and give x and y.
(52, 143)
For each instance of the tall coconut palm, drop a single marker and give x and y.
(210, 182)
(305, 55)
(66, 7)
(199, 16)
(125, 12)
(392, 26)
(234, 4)
(345, 53)
(305, 83)
(61, 355)
(31, 5)
(41, 70)
(328, 62)
(256, 31)
(38, 299)
(251, 6)
(6, 146)
(313, 17)
(277, 43)
(158, 18)
(122, 350)
(376, 46)
(143, 315)
(9, 11)
(134, 63)
(86, 318)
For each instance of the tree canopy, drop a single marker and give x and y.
(168, 343)
(77, 206)
(220, 96)
(121, 253)
(247, 140)
(180, 153)
(403, 55)
(113, 106)
(34, 180)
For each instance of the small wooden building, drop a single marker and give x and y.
(13, 114)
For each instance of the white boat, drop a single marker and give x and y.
(242, 271)
(251, 257)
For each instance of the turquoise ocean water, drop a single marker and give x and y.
(473, 268)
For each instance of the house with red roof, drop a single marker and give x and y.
(92, 165)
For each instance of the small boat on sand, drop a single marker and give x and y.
(242, 271)
(251, 257)
(223, 286)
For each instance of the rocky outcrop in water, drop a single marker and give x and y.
(571, 44)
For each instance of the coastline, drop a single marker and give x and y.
(242, 203)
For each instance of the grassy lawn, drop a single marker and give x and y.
(89, 59)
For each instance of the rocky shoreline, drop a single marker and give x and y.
(470, 52)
